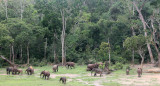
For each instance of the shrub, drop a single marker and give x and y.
(36, 62)
(81, 61)
(118, 66)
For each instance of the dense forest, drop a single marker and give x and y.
(38, 32)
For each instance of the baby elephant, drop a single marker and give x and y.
(127, 71)
(63, 79)
(45, 74)
(19, 71)
(97, 70)
(139, 71)
(55, 68)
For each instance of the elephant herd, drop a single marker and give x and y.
(15, 70)
(139, 71)
(44, 74)
(94, 68)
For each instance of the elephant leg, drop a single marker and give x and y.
(94, 74)
(30, 73)
(45, 77)
(48, 78)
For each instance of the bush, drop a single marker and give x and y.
(81, 61)
(35, 62)
(118, 59)
(43, 63)
(91, 61)
(118, 66)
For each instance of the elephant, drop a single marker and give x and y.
(45, 74)
(63, 79)
(9, 69)
(15, 71)
(97, 71)
(91, 66)
(29, 71)
(55, 68)
(127, 71)
(20, 71)
(139, 71)
(70, 64)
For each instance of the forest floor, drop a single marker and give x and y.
(80, 77)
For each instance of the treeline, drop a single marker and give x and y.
(83, 31)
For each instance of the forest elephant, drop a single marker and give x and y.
(70, 64)
(91, 66)
(55, 68)
(63, 79)
(45, 74)
(127, 71)
(9, 69)
(29, 71)
(139, 71)
(20, 71)
(15, 71)
(96, 71)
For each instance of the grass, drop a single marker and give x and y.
(35, 80)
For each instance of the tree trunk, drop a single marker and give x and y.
(133, 57)
(109, 52)
(55, 57)
(21, 53)
(63, 37)
(28, 53)
(12, 64)
(142, 56)
(133, 33)
(154, 40)
(10, 57)
(6, 8)
(22, 9)
(145, 30)
(45, 48)
(12, 54)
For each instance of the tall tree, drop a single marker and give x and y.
(144, 27)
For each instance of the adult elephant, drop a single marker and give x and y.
(55, 68)
(91, 66)
(30, 71)
(45, 74)
(9, 69)
(70, 64)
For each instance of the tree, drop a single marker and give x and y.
(144, 27)
(104, 49)
(136, 43)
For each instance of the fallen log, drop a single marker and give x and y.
(12, 64)
(155, 70)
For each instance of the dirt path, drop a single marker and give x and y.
(64, 75)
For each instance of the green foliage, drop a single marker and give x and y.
(90, 25)
(135, 42)
(118, 66)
